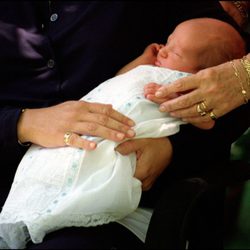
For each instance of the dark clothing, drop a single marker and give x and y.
(109, 236)
(55, 52)
(58, 51)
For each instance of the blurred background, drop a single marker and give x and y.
(237, 204)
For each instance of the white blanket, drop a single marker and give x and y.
(63, 187)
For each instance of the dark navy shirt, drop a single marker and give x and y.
(53, 51)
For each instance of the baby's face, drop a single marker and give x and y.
(182, 50)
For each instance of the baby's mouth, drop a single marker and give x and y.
(157, 63)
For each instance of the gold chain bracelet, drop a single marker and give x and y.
(236, 73)
(23, 144)
(246, 64)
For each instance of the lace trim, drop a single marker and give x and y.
(17, 234)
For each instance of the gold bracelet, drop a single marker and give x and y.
(246, 64)
(236, 73)
(23, 144)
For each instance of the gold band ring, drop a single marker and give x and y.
(212, 115)
(203, 106)
(199, 110)
(66, 138)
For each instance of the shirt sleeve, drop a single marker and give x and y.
(10, 150)
(8, 133)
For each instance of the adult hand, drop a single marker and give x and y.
(149, 92)
(217, 87)
(153, 156)
(47, 126)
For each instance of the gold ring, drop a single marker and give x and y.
(66, 138)
(212, 115)
(203, 106)
(200, 111)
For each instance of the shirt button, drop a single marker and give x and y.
(42, 26)
(51, 63)
(53, 17)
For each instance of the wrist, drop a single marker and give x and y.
(243, 79)
(22, 130)
(245, 70)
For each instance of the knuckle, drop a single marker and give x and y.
(123, 119)
(73, 104)
(91, 127)
(121, 128)
(72, 109)
(210, 72)
(212, 90)
(103, 119)
(107, 109)
(69, 103)
(179, 85)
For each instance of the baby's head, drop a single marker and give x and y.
(200, 43)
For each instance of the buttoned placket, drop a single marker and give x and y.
(53, 18)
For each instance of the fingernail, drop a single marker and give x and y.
(162, 108)
(120, 136)
(92, 145)
(131, 123)
(131, 133)
(158, 94)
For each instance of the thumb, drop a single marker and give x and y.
(127, 147)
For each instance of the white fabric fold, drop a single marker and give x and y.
(63, 187)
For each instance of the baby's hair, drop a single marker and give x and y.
(225, 43)
(223, 50)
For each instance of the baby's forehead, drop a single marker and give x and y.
(200, 31)
(192, 26)
(188, 30)
(206, 26)
(187, 33)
